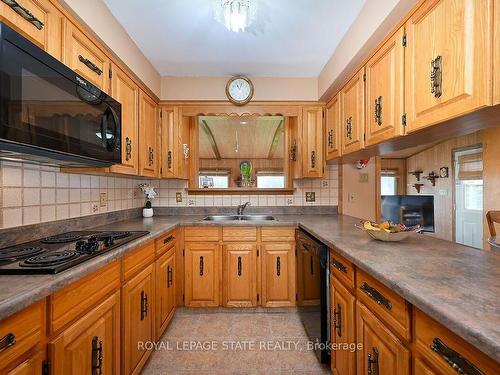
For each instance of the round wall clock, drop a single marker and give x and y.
(239, 90)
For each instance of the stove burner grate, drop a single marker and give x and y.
(114, 235)
(19, 252)
(62, 238)
(49, 259)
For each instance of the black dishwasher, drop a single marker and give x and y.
(313, 292)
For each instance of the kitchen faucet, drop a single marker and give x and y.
(242, 207)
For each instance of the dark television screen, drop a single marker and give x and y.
(409, 210)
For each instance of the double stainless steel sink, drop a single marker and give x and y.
(256, 217)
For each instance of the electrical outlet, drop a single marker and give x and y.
(363, 177)
(289, 201)
(178, 197)
(325, 183)
(103, 199)
(95, 208)
(310, 196)
(351, 197)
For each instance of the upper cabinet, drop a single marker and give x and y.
(148, 124)
(333, 125)
(448, 61)
(312, 141)
(352, 97)
(85, 58)
(496, 51)
(124, 90)
(385, 91)
(37, 20)
(175, 148)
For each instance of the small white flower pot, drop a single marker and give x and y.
(147, 212)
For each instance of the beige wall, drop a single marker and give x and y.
(214, 88)
(491, 175)
(99, 18)
(363, 204)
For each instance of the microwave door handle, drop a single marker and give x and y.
(104, 127)
(111, 145)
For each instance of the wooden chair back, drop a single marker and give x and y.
(493, 217)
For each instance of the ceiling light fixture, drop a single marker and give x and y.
(236, 15)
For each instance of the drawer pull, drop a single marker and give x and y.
(278, 266)
(201, 266)
(168, 239)
(169, 276)
(437, 77)
(25, 13)
(373, 362)
(239, 266)
(128, 149)
(7, 341)
(90, 65)
(339, 266)
(144, 305)
(97, 356)
(337, 319)
(375, 295)
(454, 359)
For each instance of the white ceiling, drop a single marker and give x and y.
(290, 38)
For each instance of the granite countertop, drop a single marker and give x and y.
(456, 285)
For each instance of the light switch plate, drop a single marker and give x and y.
(363, 177)
(103, 199)
(178, 197)
(310, 196)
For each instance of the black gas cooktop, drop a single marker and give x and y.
(57, 253)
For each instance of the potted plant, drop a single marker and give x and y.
(151, 194)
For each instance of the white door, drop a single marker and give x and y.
(469, 197)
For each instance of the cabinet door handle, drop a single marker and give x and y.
(313, 159)
(144, 305)
(330, 138)
(339, 266)
(375, 295)
(373, 362)
(97, 356)
(168, 239)
(239, 266)
(349, 128)
(337, 319)
(459, 363)
(90, 65)
(312, 264)
(128, 149)
(7, 341)
(437, 77)
(169, 159)
(151, 156)
(378, 111)
(293, 151)
(201, 266)
(25, 13)
(278, 266)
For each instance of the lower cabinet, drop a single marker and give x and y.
(278, 274)
(202, 274)
(137, 320)
(165, 290)
(342, 328)
(383, 352)
(239, 275)
(91, 345)
(31, 366)
(422, 368)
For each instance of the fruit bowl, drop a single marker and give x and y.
(388, 232)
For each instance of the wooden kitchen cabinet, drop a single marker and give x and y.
(239, 286)
(165, 290)
(125, 91)
(93, 340)
(44, 28)
(148, 122)
(496, 51)
(352, 98)
(278, 274)
(137, 320)
(30, 366)
(342, 327)
(308, 276)
(202, 274)
(383, 352)
(86, 58)
(333, 126)
(174, 143)
(312, 142)
(421, 367)
(385, 91)
(448, 60)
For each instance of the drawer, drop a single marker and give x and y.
(386, 304)
(239, 233)
(435, 342)
(342, 269)
(205, 234)
(138, 260)
(280, 234)
(165, 242)
(21, 332)
(72, 301)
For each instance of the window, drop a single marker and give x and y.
(388, 184)
(214, 179)
(270, 180)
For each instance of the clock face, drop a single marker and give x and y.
(239, 90)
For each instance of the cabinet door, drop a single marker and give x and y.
(148, 121)
(124, 90)
(37, 20)
(308, 278)
(383, 352)
(165, 290)
(422, 368)
(240, 275)
(31, 366)
(353, 114)
(93, 341)
(342, 305)
(312, 138)
(448, 60)
(137, 320)
(85, 57)
(170, 140)
(496, 51)
(202, 274)
(278, 274)
(333, 126)
(385, 91)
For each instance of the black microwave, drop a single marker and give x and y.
(49, 114)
